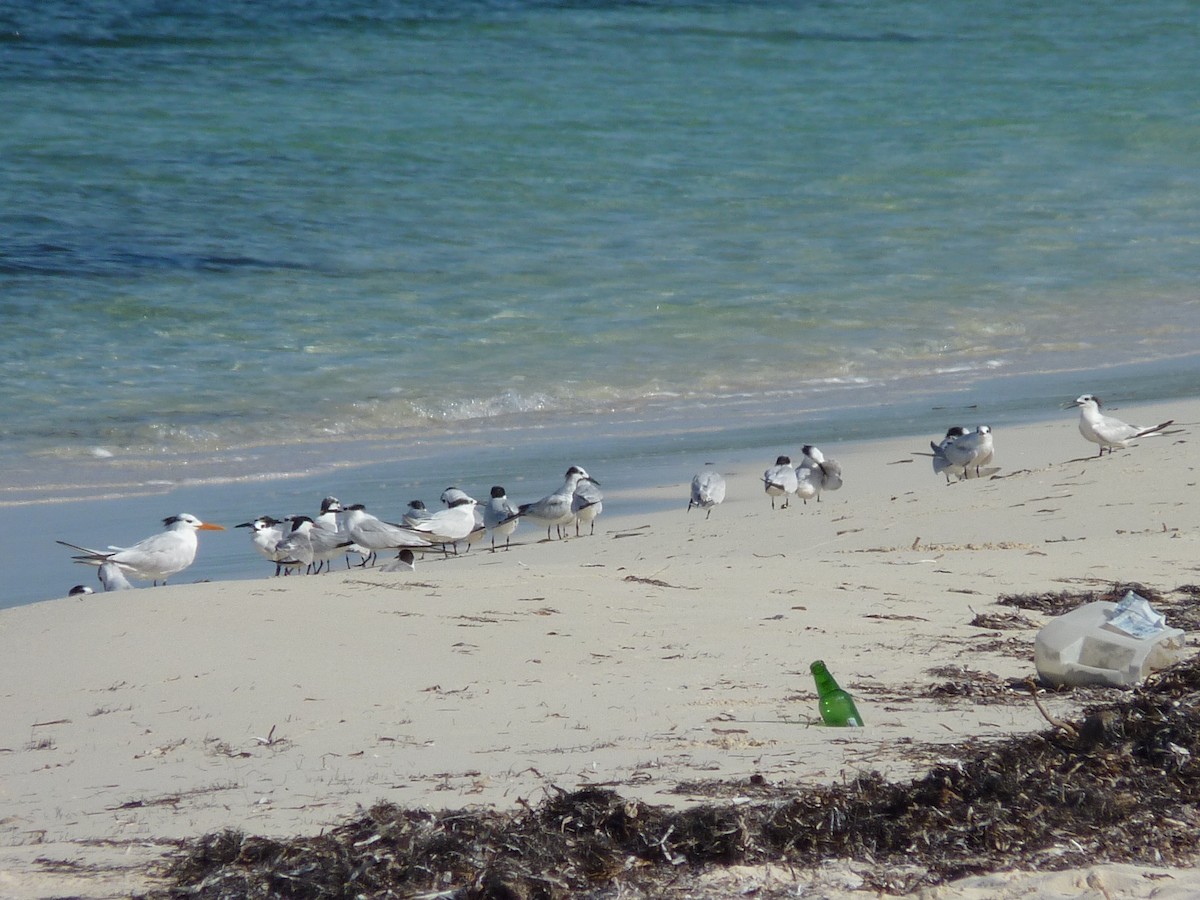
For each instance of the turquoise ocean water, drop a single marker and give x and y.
(249, 252)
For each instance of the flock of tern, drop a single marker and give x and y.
(301, 543)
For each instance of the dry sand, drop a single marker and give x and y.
(661, 654)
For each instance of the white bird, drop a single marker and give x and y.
(780, 481)
(326, 537)
(156, 558)
(555, 509)
(80, 590)
(941, 463)
(1107, 431)
(416, 512)
(405, 561)
(819, 473)
(452, 495)
(500, 517)
(113, 578)
(295, 551)
(265, 534)
(374, 534)
(971, 451)
(587, 502)
(708, 489)
(450, 525)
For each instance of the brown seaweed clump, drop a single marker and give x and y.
(1119, 787)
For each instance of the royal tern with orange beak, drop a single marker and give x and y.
(1107, 431)
(156, 558)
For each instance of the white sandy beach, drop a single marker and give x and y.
(664, 652)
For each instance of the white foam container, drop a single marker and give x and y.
(1079, 648)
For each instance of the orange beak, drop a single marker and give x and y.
(208, 527)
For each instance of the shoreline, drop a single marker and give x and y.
(104, 502)
(670, 649)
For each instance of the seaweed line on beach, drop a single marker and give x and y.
(1117, 786)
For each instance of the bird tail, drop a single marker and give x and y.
(1149, 431)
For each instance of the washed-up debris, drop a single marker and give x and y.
(1117, 787)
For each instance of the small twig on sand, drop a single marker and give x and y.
(1057, 723)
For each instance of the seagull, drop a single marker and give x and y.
(374, 534)
(1107, 431)
(500, 517)
(587, 502)
(971, 451)
(822, 474)
(555, 509)
(708, 489)
(941, 463)
(265, 534)
(780, 480)
(156, 558)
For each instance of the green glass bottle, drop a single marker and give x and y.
(837, 707)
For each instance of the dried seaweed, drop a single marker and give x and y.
(1119, 786)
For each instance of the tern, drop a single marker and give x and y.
(587, 502)
(450, 525)
(941, 463)
(970, 451)
(416, 512)
(327, 540)
(780, 480)
(1107, 431)
(112, 577)
(265, 534)
(450, 496)
(708, 489)
(406, 561)
(295, 551)
(555, 509)
(500, 517)
(374, 534)
(156, 558)
(820, 473)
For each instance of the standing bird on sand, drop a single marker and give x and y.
(941, 462)
(708, 490)
(450, 525)
(1107, 431)
(113, 578)
(295, 551)
(156, 558)
(971, 451)
(780, 481)
(818, 473)
(265, 534)
(500, 517)
(587, 502)
(555, 509)
(374, 534)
